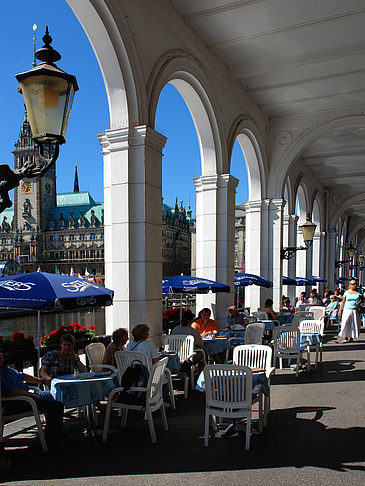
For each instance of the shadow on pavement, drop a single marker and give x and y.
(295, 437)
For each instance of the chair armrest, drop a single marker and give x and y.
(105, 366)
(23, 398)
(269, 371)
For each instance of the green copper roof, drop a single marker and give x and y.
(75, 199)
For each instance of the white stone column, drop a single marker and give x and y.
(275, 221)
(292, 241)
(331, 259)
(256, 261)
(133, 226)
(215, 207)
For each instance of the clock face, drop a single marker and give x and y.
(48, 188)
(26, 187)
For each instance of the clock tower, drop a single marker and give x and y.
(33, 198)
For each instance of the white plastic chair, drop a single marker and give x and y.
(183, 345)
(318, 311)
(154, 401)
(95, 354)
(314, 327)
(228, 394)
(256, 357)
(260, 315)
(254, 333)
(125, 358)
(33, 412)
(300, 316)
(287, 346)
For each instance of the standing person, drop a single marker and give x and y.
(14, 384)
(205, 325)
(350, 322)
(119, 338)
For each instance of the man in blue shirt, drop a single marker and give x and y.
(234, 318)
(13, 384)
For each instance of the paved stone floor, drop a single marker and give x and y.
(316, 436)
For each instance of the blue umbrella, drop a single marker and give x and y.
(42, 291)
(319, 279)
(244, 279)
(345, 279)
(304, 281)
(289, 281)
(183, 284)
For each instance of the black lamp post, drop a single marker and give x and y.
(308, 229)
(48, 95)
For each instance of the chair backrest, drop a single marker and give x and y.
(300, 316)
(154, 386)
(286, 340)
(318, 311)
(260, 315)
(254, 333)
(125, 358)
(312, 326)
(255, 356)
(95, 353)
(183, 345)
(228, 386)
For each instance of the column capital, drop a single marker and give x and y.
(116, 139)
(276, 204)
(215, 181)
(254, 206)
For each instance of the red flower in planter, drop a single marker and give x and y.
(92, 327)
(17, 336)
(30, 338)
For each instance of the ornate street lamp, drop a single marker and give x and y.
(48, 95)
(308, 229)
(351, 250)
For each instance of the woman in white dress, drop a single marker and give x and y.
(350, 322)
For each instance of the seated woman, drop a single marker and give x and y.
(331, 308)
(62, 362)
(119, 338)
(287, 307)
(269, 310)
(205, 325)
(140, 334)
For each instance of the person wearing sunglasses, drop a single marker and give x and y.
(350, 322)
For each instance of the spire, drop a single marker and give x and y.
(34, 63)
(76, 182)
(189, 212)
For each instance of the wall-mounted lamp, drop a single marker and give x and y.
(351, 250)
(308, 229)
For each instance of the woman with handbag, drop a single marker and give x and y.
(350, 322)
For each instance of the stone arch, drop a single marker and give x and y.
(300, 143)
(301, 198)
(244, 131)
(355, 230)
(342, 206)
(186, 75)
(317, 211)
(115, 55)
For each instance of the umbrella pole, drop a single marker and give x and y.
(181, 304)
(39, 342)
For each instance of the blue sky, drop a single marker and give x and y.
(89, 114)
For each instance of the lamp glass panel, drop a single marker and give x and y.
(308, 231)
(46, 98)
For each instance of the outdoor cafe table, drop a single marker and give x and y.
(86, 389)
(215, 345)
(173, 363)
(310, 339)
